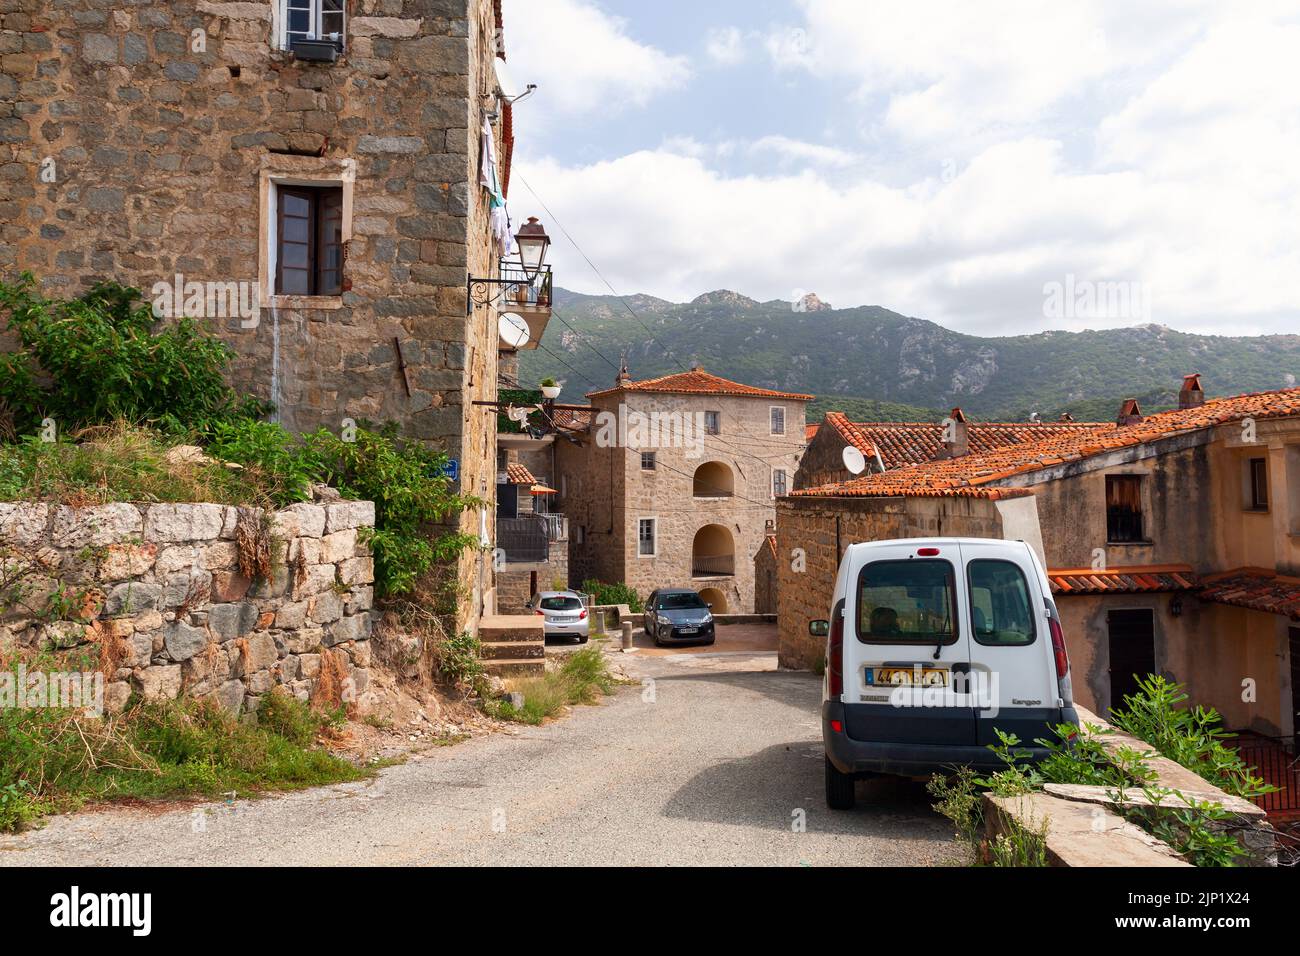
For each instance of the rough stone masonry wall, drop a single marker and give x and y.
(161, 582)
(821, 528)
(158, 150)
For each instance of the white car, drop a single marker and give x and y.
(564, 613)
(932, 643)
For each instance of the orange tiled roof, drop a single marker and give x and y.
(973, 475)
(520, 475)
(910, 443)
(810, 430)
(699, 382)
(1130, 580)
(571, 420)
(1258, 589)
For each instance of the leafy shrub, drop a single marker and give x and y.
(457, 659)
(288, 468)
(279, 712)
(613, 594)
(1188, 736)
(96, 358)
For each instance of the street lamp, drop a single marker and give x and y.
(533, 243)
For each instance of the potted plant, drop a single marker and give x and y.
(550, 388)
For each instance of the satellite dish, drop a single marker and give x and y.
(510, 90)
(513, 330)
(854, 460)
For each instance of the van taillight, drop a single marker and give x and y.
(1058, 648)
(835, 654)
(927, 552)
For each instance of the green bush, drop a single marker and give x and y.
(97, 358)
(613, 594)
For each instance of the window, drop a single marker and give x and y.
(777, 413)
(647, 461)
(1124, 509)
(309, 241)
(1257, 469)
(645, 538)
(312, 20)
(560, 603)
(999, 603)
(778, 482)
(712, 423)
(582, 534)
(907, 602)
(679, 601)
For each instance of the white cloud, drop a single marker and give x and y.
(1160, 151)
(725, 46)
(582, 59)
(798, 150)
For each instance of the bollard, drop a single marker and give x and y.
(627, 635)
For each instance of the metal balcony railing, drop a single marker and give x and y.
(521, 293)
(713, 565)
(524, 539)
(557, 526)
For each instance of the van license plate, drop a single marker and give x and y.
(907, 677)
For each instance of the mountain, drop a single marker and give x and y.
(868, 354)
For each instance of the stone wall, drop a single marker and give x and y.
(812, 534)
(130, 150)
(157, 589)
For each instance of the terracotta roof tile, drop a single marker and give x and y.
(1258, 589)
(1130, 580)
(699, 382)
(910, 443)
(1061, 443)
(520, 475)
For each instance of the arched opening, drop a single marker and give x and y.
(715, 598)
(713, 479)
(713, 552)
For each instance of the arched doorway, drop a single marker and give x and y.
(713, 552)
(714, 597)
(714, 479)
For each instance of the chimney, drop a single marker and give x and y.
(1129, 412)
(956, 435)
(1191, 395)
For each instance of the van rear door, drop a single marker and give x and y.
(905, 645)
(1013, 671)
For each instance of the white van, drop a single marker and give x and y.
(931, 644)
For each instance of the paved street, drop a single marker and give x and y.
(709, 762)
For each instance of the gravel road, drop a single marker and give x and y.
(714, 761)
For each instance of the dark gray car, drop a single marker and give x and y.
(678, 616)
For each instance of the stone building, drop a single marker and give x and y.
(1171, 541)
(675, 480)
(339, 186)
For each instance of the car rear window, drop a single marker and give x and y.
(560, 604)
(999, 603)
(679, 602)
(907, 602)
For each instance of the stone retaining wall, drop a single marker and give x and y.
(156, 590)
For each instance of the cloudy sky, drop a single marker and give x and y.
(997, 166)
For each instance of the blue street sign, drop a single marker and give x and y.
(451, 469)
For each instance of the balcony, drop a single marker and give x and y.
(713, 553)
(529, 300)
(713, 565)
(527, 539)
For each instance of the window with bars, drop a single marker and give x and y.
(313, 20)
(309, 240)
(645, 537)
(778, 419)
(647, 461)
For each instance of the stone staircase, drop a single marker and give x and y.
(513, 645)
